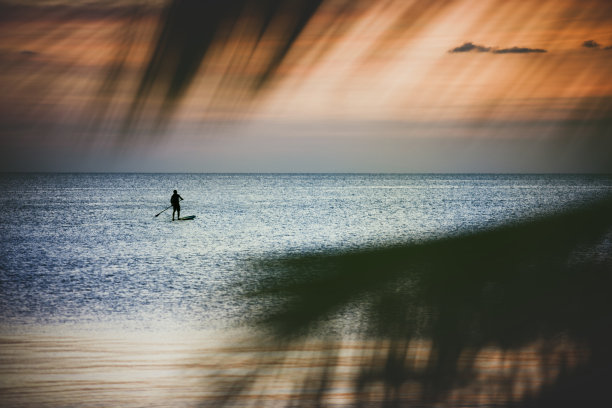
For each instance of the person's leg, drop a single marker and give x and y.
(178, 213)
(173, 211)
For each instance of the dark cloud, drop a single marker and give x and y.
(28, 53)
(595, 45)
(468, 46)
(518, 50)
(591, 44)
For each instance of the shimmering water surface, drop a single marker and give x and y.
(104, 304)
(88, 249)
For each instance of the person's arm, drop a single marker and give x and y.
(181, 198)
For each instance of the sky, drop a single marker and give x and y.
(306, 85)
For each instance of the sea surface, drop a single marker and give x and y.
(103, 303)
(87, 250)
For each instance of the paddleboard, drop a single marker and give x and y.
(187, 217)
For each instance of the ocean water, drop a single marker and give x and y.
(87, 249)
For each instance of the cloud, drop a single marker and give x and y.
(591, 44)
(518, 50)
(595, 45)
(28, 53)
(468, 46)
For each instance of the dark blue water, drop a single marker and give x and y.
(88, 249)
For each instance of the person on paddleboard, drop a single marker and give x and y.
(176, 207)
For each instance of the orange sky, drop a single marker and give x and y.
(389, 62)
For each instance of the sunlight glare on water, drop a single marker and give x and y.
(87, 248)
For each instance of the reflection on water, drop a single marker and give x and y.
(181, 369)
(91, 370)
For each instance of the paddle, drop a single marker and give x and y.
(163, 210)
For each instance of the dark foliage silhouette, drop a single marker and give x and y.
(543, 281)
